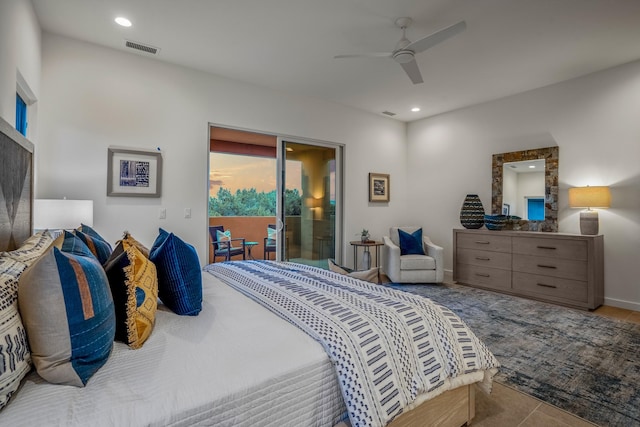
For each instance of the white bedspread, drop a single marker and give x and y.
(236, 364)
(389, 348)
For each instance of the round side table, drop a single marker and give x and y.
(249, 245)
(366, 255)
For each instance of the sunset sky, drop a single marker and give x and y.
(235, 172)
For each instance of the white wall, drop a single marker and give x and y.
(94, 97)
(593, 120)
(19, 52)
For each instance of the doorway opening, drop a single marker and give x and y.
(280, 194)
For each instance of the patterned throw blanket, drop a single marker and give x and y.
(388, 346)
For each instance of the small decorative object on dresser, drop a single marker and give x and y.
(561, 268)
(472, 212)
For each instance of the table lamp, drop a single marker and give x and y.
(589, 197)
(61, 214)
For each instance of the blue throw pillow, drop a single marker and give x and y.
(179, 274)
(68, 313)
(98, 246)
(411, 244)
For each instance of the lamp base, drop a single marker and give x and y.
(589, 222)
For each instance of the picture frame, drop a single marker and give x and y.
(379, 187)
(506, 209)
(133, 173)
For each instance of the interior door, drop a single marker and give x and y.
(309, 208)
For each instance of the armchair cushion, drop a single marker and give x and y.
(411, 243)
(417, 262)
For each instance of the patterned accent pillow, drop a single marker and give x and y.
(142, 248)
(223, 236)
(271, 236)
(71, 243)
(32, 248)
(15, 359)
(411, 244)
(371, 275)
(68, 312)
(134, 285)
(179, 274)
(100, 248)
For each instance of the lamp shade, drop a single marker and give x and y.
(61, 214)
(589, 197)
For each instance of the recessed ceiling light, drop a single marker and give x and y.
(415, 109)
(532, 166)
(120, 20)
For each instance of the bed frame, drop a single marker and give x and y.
(453, 408)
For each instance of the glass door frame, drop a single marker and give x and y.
(281, 184)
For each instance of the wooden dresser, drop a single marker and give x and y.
(566, 269)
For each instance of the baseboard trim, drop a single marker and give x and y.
(629, 305)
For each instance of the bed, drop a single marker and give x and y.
(236, 363)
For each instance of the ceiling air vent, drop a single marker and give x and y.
(388, 113)
(141, 47)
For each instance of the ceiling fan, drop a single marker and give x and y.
(405, 51)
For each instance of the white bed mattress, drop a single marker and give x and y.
(236, 364)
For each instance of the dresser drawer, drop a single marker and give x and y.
(555, 248)
(484, 258)
(550, 287)
(492, 278)
(555, 267)
(484, 242)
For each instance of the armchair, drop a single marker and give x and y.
(225, 248)
(428, 268)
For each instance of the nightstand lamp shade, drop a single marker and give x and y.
(61, 214)
(589, 197)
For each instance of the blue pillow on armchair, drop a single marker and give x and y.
(411, 244)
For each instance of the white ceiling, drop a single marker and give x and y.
(510, 46)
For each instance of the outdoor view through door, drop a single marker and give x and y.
(283, 208)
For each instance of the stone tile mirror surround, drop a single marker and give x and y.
(551, 157)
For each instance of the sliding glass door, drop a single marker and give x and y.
(311, 180)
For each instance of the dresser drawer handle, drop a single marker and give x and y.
(483, 275)
(546, 266)
(547, 286)
(482, 242)
(483, 258)
(547, 247)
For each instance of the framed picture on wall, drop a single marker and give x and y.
(378, 187)
(506, 209)
(134, 173)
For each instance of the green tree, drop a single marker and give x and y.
(248, 202)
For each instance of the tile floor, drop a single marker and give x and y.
(506, 407)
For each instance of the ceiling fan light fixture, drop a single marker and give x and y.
(403, 56)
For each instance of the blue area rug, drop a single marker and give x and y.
(583, 363)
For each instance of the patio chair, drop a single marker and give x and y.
(226, 247)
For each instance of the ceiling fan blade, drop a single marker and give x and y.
(412, 70)
(366, 55)
(437, 37)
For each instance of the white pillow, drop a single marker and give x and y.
(223, 237)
